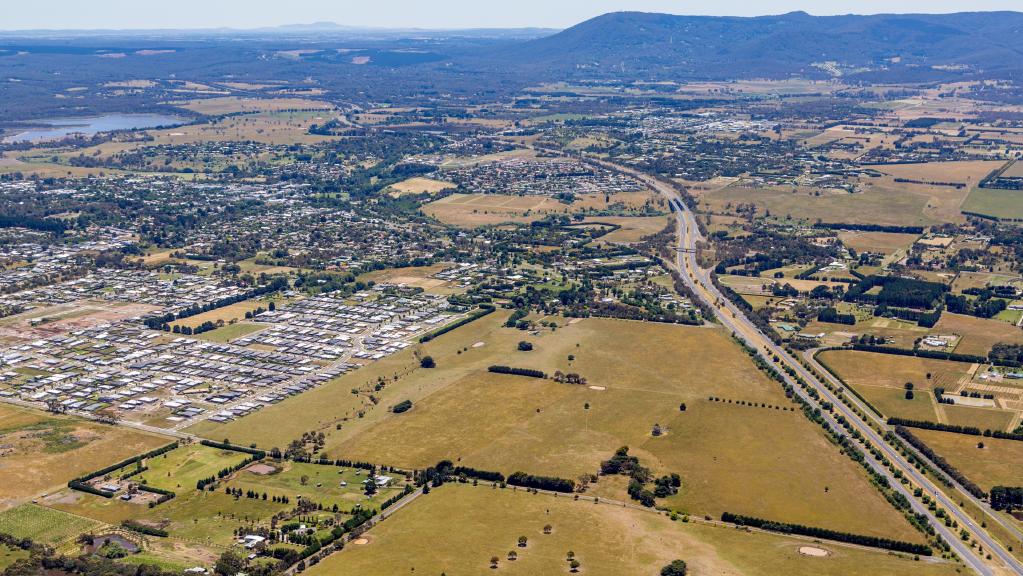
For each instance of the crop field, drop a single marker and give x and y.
(319, 483)
(994, 202)
(44, 525)
(978, 334)
(605, 539)
(997, 464)
(42, 451)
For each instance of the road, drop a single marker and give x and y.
(808, 356)
(733, 319)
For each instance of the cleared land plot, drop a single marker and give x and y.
(872, 206)
(997, 464)
(879, 242)
(235, 104)
(993, 202)
(633, 228)
(227, 313)
(418, 276)
(419, 185)
(44, 525)
(42, 451)
(606, 539)
(978, 334)
(472, 210)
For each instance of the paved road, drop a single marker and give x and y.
(808, 355)
(735, 320)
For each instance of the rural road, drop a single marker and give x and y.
(734, 320)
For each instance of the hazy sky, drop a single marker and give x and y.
(20, 14)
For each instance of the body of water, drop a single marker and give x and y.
(61, 127)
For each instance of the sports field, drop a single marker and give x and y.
(605, 539)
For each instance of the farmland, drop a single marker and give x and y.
(605, 538)
(996, 464)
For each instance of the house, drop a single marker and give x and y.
(251, 540)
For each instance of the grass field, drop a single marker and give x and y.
(419, 185)
(232, 331)
(44, 525)
(880, 378)
(475, 523)
(472, 210)
(10, 555)
(322, 485)
(633, 228)
(43, 451)
(510, 423)
(997, 203)
(880, 242)
(997, 464)
(419, 276)
(180, 469)
(228, 313)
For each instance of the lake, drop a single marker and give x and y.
(61, 127)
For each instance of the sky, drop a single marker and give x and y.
(137, 14)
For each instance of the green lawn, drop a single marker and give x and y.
(322, 484)
(997, 203)
(182, 467)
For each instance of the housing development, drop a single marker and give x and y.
(649, 295)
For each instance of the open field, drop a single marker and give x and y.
(229, 313)
(633, 228)
(606, 539)
(997, 464)
(418, 276)
(235, 104)
(10, 555)
(880, 242)
(978, 334)
(48, 321)
(880, 378)
(997, 203)
(232, 331)
(419, 185)
(42, 451)
(542, 427)
(875, 205)
(180, 469)
(472, 210)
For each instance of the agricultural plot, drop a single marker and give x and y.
(879, 242)
(977, 335)
(633, 228)
(543, 427)
(419, 185)
(44, 525)
(997, 203)
(604, 539)
(42, 451)
(881, 379)
(996, 464)
(875, 205)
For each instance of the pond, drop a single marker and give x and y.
(61, 127)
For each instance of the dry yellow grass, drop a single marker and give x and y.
(234, 104)
(476, 523)
(471, 210)
(419, 185)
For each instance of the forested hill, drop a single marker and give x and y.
(974, 43)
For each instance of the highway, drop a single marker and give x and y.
(733, 319)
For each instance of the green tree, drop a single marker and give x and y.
(676, 568)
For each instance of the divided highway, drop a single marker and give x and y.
(733, 319)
